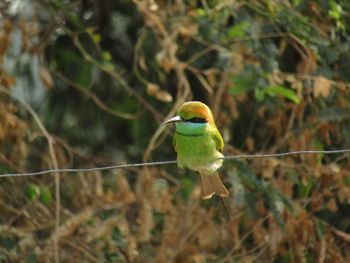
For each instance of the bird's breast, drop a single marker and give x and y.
(197, 152)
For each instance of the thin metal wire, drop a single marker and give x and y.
(242, 156)
(70, 170)
(248, 156)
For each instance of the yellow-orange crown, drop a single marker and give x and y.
(193, 109)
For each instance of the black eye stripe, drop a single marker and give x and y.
(197, 120)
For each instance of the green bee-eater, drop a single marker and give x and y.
(199, 144)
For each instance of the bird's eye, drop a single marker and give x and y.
(197, 120)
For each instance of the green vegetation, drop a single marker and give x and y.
(87, 83)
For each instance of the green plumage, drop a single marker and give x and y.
(198, 146)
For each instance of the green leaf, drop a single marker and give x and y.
(161, 184)
(7, 243)
(3, 258)
(45, 195)
(118, 238)
(286, 201)
(272, 91)
(237, 30)
(32, 258)
(260, 94)
(106, 56)
(273, 202)
(187, 186)
(335, 10)
(96, 38)
(333, 114)
(304, 190)
(285, 92)
(201, 11)
(5, 169)
(321, 228)
(318, 145)
(241, 84)
(32, 191)
(346, 180)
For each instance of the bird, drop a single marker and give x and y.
(199, 145)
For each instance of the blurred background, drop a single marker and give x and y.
(87, 83)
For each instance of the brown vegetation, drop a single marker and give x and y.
(88, 83)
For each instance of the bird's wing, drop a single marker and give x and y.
(218, 139)
(174, 143)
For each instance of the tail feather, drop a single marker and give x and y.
(211, 184)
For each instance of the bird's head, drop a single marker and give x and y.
(192, 117)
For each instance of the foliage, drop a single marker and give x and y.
(103, 75)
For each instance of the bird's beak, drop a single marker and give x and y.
(174, 119)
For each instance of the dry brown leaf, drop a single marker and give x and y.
(211, 75)
(70, 225)
(12, 134)
(283, 45)
(321, 247)
(298, 86)
(300, 231)
(145, 221)
(341, 234)
(5, 39)
(162, 196)
(164, 96)
(262, 112)
(25, 35)
(125, 228)
(166, 57)
(321, 87)
(300, 110)
(315, 9)
(101, 229)
(334, 253)
(46, 78)
(260, 233)
(332, 205)
(191, 254)
(6, 80)
(124, 195)
(167, 64)
(249, 142)
(97, 184)
(179, 225)
(275, 78)
(188, 30)
(278, 124)
(275, 236)
(233, 108)
(154, 90)
(308, 63)
(269, 165)
(325, 132)
(142, 63)
(144, 193)
(289, 78)
(209, 236)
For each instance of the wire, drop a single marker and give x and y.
(248, 156)
(243, 156)
(70, 170)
